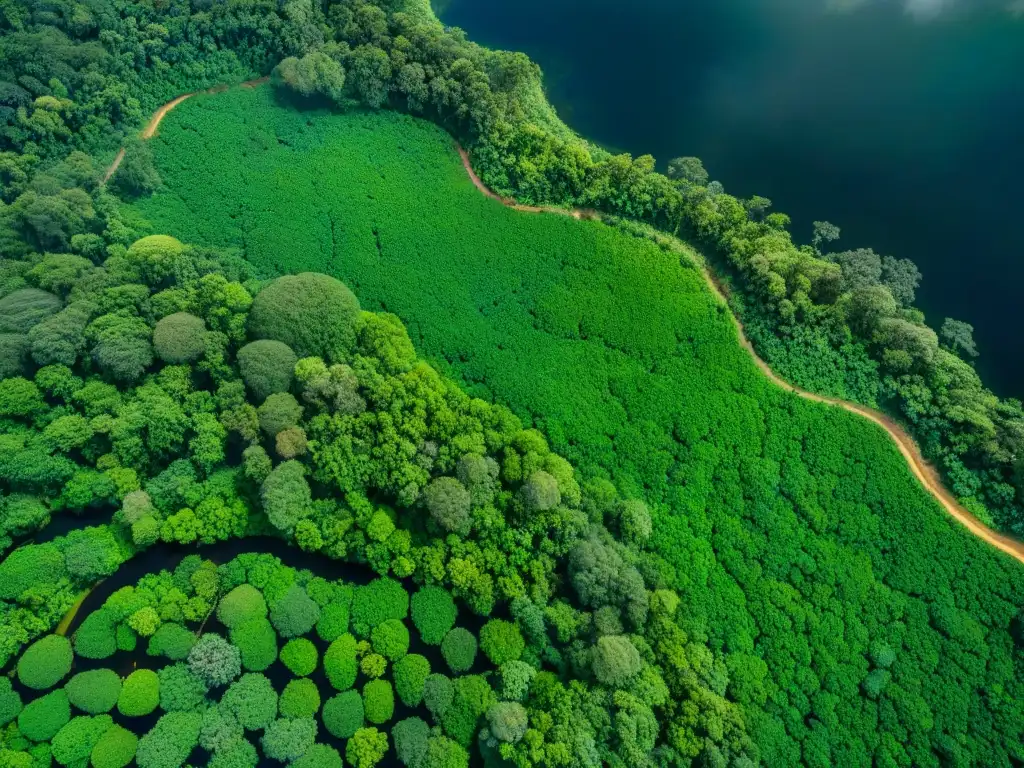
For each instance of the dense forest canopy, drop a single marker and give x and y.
(180, 395)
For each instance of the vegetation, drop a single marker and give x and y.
(782, 591)
(741, 480)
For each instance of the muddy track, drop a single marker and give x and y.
(921, 469)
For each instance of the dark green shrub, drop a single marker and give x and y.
(300, 656)
(140, 693)
(73, 743)
(501, 641)
(180, 689)
(28, 566)
(252, 700)
(300, 698)
(171, 741)
(343, 714)
(333, 621)
(410, 737)
(438, 694)
(45, 663)
(319, 756)
(473, 697)
(267, 367)
(287, 740)
(378, 601)
(433, 613)
(10, 701)
(94, 692)
(115, 749)
(241, 604)
(257, 643)
(171, 640)
(178, 338)
(340, 662)
(312, 313)
(295, 614)
(214, 660)
(42, 718)
(14, 349)
(25, 308)
(378, 701)
(391, 639)
(459, 650)
(410, 674)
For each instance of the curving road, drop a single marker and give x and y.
(921, 469)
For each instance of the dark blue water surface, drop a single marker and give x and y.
(908, 134)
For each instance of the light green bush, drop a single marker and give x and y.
(140, 693)
(45, 663)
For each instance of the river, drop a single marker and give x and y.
(902, 130)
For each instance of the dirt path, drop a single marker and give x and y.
(922, 470)
(149, 131)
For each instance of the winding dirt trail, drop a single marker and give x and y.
(921, 469)
(919, 466)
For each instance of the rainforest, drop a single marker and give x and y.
(356, 411)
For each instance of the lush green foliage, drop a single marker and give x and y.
(312, 313)
(45, 662)
(300, 656)
(94, 692)
(41, 719)
(390, 639)
(501, 641)
(214, 660)
(115, 749)
(257, 643)
(140, 693)
(411, 673)
(267, 367)
(459, 649)
(241, 604)
(433, 613)
(340, 662)
(378, 701)
(10, 701)
(300, 698)
(377, 602)
(343, 714)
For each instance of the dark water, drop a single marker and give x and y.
(906, 133)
